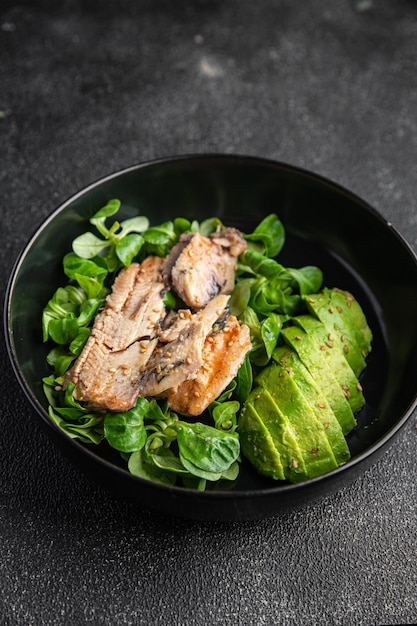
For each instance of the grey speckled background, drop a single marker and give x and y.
(87, 88)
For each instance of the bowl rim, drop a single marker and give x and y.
(232, 158)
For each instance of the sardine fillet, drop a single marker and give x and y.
(199, 268)
(223, 353)
(122, 339)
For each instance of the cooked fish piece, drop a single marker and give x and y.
(223, 353)
(199, 268)
(135, 307)
(175, 361)
(123, 338)
(230, 239)
(106, 380)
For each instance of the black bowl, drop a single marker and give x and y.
(325, 224)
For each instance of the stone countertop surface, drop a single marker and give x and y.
(88, 88)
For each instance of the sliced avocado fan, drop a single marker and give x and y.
(294, 423)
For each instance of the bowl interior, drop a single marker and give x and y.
(325, 226)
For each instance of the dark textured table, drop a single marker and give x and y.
(90, 87)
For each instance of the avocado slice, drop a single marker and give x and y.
(346, 323)
(336, 359)
(309, 432)
(339, 330)
(289, 359)
(318, 367)
(346, 304)
(266, 435)
(257, 444)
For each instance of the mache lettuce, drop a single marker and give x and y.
(154, 442)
